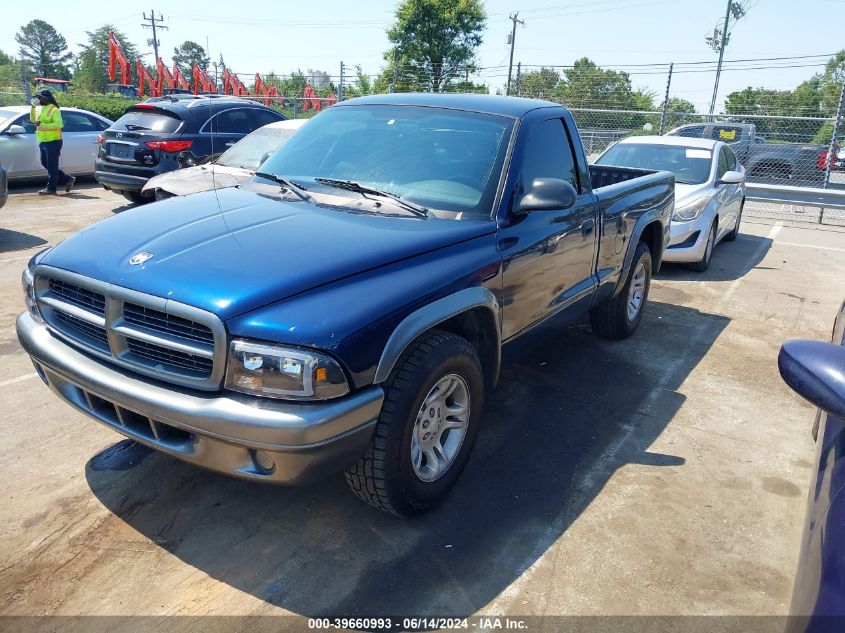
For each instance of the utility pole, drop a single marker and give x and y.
(513, 18)
(340, 85)
(719, 40)
(666, 101)
(154, 23)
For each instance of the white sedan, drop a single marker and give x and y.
(233, 167)
(19, 149)
(709, 190)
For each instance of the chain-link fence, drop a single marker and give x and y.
(774, 150)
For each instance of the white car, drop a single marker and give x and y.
(234, 166)
(709, 190)
(19, 148)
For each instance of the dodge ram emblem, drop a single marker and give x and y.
(139, 258)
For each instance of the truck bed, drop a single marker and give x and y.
(604, 175)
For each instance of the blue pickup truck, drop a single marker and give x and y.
(346, 308)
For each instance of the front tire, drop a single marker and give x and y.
(619, 317)
(704, 263)
(731, 237)
(427, 427)
(136, 197)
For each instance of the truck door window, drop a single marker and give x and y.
(548, 154)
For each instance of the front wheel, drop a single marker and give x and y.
(426, 429)
(619, 317)
(136, 197)
(731, 237)
(704, 263)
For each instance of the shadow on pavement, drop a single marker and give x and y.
(731, 260)
(15, 241)
(570, 409)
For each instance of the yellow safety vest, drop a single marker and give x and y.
(51, 123)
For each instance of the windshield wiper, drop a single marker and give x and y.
(132, 128)
(351, 185)
(294, 187)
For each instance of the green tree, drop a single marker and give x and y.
(10, 74)
(539, 84)
(586, 85)
(92, 63)
(44, 50)
(189, 53)
(362, 85)
(434, 42)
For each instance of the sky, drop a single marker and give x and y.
(266, 35)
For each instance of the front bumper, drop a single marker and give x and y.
(688, 240)
(254, 438)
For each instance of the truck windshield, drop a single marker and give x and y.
(691, 165)
(442, 159)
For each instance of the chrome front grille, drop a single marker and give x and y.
(153, 336)
(170, 358)
(167, 323)
(78, 296)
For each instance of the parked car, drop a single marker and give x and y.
(709, 190)
(169, 133)
(346, 308)
(763, 161)
(4, 186)
(19, 148)
(235, 166)
(816, 371)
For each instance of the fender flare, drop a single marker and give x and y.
(429, 316)
(636, 233)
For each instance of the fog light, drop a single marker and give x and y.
(264, 464)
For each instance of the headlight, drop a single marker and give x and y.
(29, 296)
(281, 372)
(691, 211)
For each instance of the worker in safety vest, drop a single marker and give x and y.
(48, 130)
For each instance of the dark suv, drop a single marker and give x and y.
(167, 133)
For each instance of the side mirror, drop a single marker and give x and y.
(16, 129)
(546, 194)
(264, 157)
(815, 371)
(732, 178)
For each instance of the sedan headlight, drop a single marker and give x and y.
(690, 211)
(28, 284)
(283, 372)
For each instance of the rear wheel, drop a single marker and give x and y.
(136, 197)
(427, 427)
(730, 237)
(619, 317)
(704, 263)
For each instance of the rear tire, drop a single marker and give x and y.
(401, 471)
(731, 237)
(136, 197)
(704, 263)
(619, 317)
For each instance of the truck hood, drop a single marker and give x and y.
(181, 182)
(248, 251)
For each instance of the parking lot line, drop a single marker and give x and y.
(773, 233)
(821, 248)
(12, 381)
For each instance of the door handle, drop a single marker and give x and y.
(587, 227)
(230, 143)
